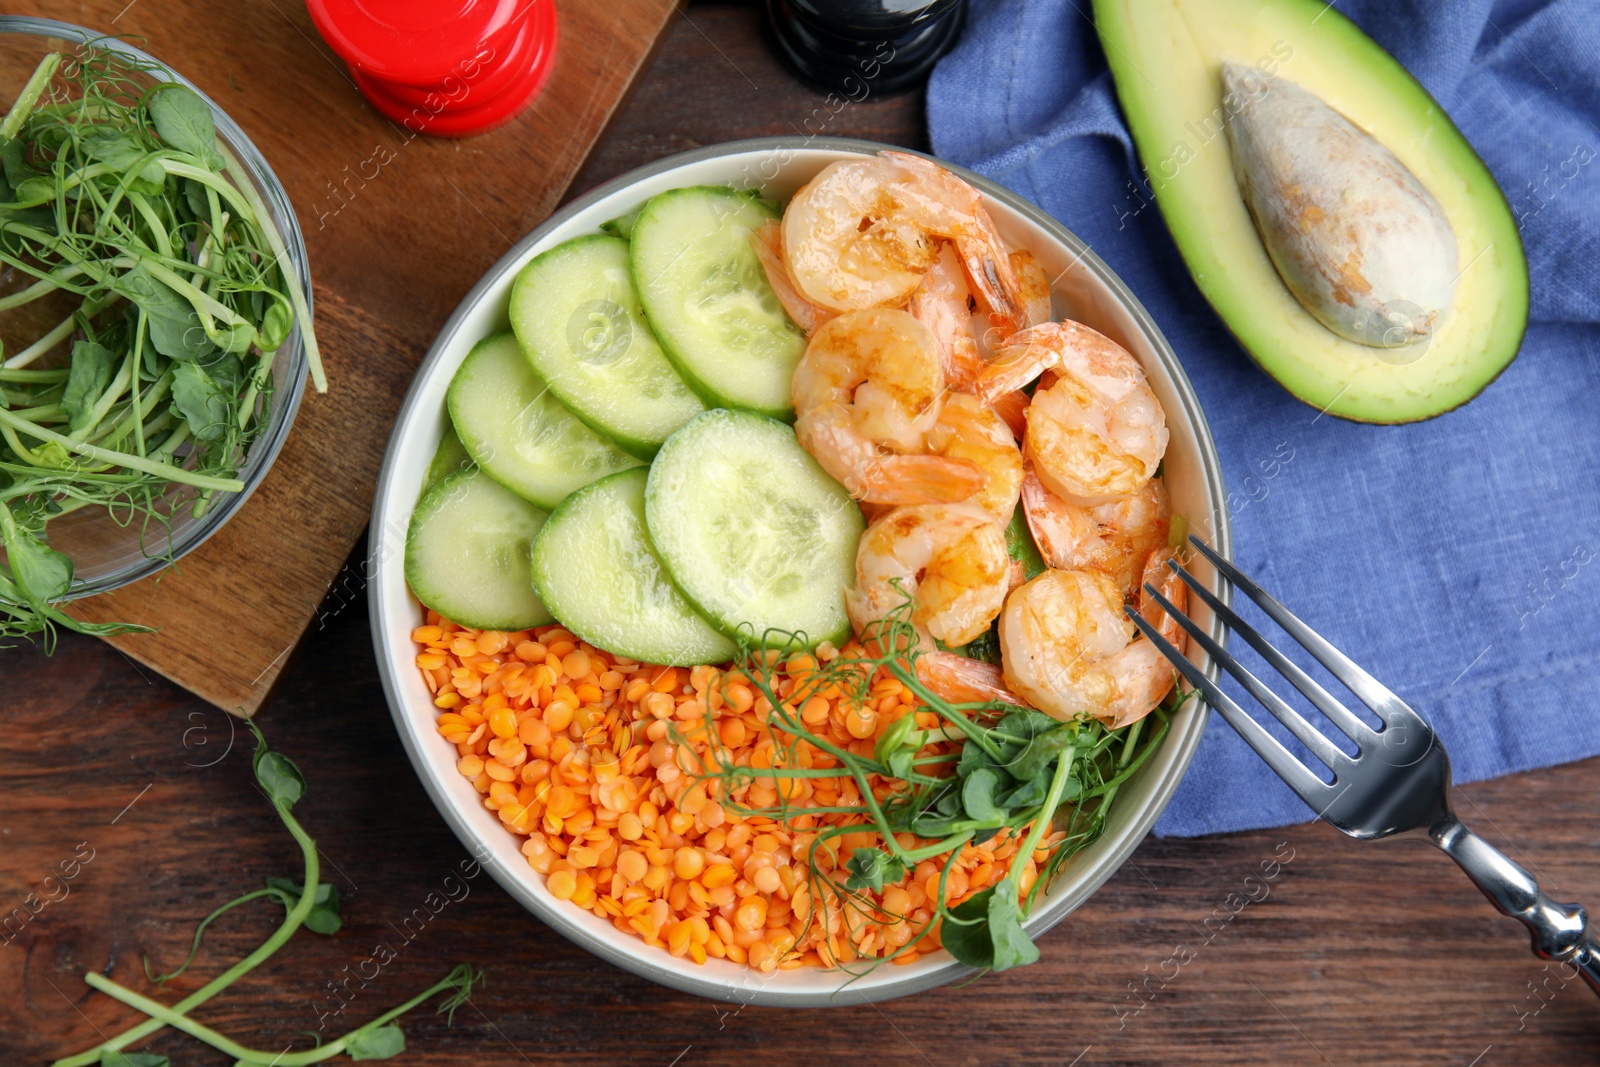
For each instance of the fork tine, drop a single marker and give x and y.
(1325, 750)
(1325, 701)
(1313, 790)
(1372, 692)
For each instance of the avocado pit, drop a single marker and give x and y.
(1359, 241)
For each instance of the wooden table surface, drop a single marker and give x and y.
(1376, 954)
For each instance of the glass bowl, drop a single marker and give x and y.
(1084, 288)
(108, 551)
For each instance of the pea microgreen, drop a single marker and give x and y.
(277, 775)
(120, 210)
(183, 122)
(199, 934)
(871, 868)
(985, 930)
(308, 903)
(377, 1044)
(986, 772)
(323, 918)
(111, 1058)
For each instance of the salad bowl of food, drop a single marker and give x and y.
(719, 608)
(149, 377)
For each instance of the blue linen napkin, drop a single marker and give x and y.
(1457, 559)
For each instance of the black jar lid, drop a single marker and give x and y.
(864, 47)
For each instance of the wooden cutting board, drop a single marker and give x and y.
(399, 227)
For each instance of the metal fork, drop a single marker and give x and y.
(1397, 782)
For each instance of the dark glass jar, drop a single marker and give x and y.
(864, 47)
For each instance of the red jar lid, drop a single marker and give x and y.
(444, 67)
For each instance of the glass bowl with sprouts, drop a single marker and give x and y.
(155, 311)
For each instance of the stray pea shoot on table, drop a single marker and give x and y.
(175, 290)
(308, 903)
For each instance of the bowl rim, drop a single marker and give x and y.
(264, 452)
(637, 962)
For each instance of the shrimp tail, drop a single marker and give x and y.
(961, 364)
(983, 251)
(961, 680)
(1028, 354)
(898, 479)
(1014, 366)
(990, 273)
(768, 243)
(1168, 584)
(1143, 674)
(1013, 408)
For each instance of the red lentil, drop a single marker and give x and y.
(595, 761)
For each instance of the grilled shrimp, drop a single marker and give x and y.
(1033, 288)
(951, 558)
(1095, 433)
(861, 234)
(943, 303)
(969, 429)
(866, 393)
(1144, 675)
(1114, 538)
(962, 680)
(983, 252)
(768, 243)
(1068, 650)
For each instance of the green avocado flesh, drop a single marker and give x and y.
(1166, 57)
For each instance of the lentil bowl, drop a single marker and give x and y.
(617, 854)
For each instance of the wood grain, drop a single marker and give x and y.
(1356, 954)
(398, 227)
(1363, 954)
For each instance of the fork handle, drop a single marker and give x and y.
(1588, 963)
(1559, 930)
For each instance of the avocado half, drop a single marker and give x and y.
(1166, 58)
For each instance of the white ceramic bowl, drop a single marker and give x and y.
(1085, 289)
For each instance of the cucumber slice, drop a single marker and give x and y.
(576, 313)
(449, 458)
(519, 433)
(708, 300)
(594, 565)
(467, 553)
(756, 535)
(621, 226)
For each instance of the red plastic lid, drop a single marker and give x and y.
(445, 67)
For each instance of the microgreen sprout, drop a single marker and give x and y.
(309, 903)
(988, 771)
(130, 229)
